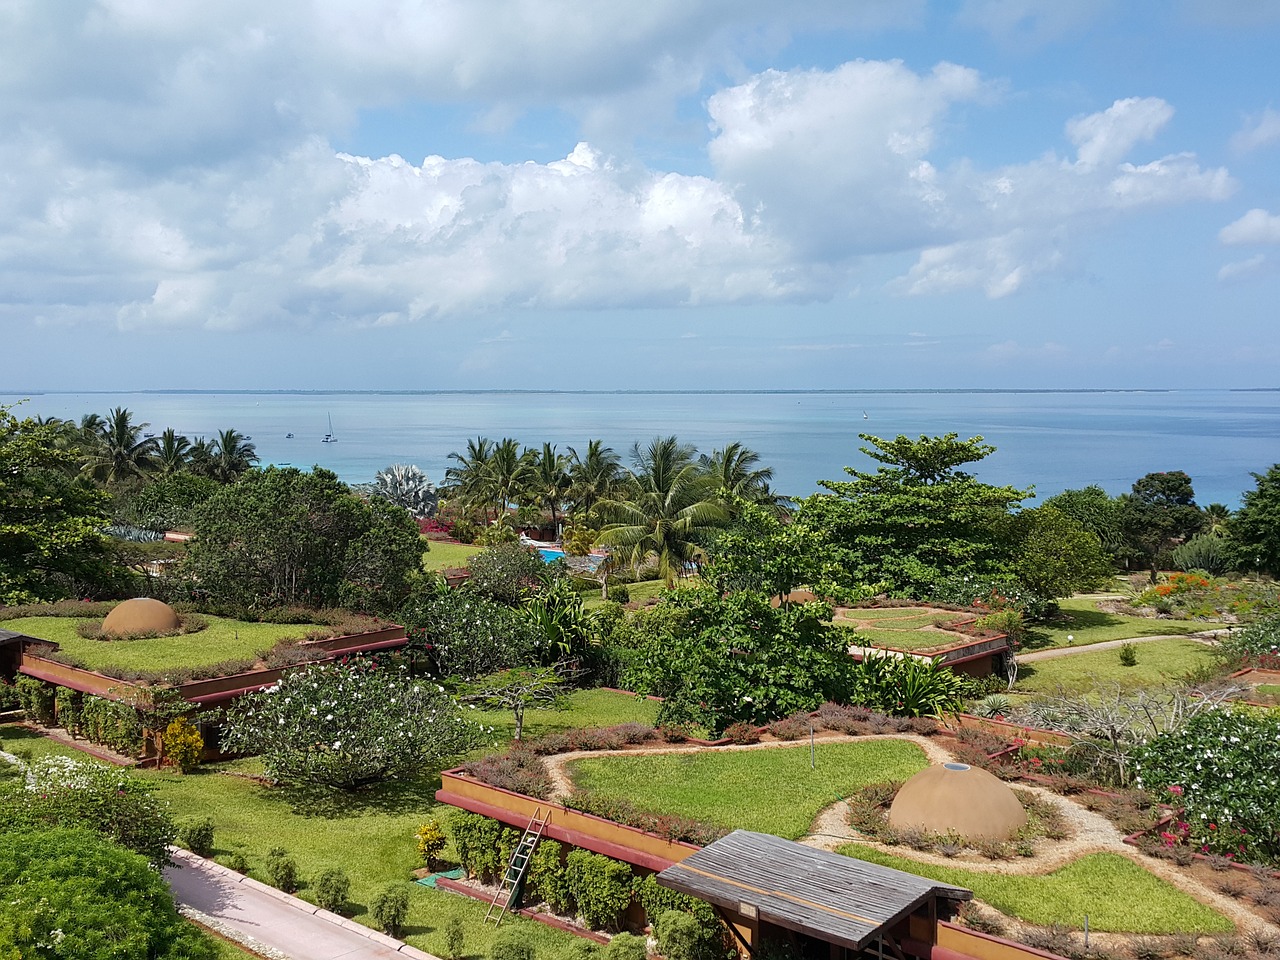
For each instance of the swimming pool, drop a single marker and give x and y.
(552, 554)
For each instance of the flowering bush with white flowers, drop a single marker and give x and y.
(346, 724)
(1224, 767)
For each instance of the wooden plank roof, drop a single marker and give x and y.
(835, 898)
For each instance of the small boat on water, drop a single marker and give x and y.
(247, 437)
(329, 437)
(148, 436)
(288, 436)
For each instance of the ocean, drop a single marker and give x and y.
(1049, 440)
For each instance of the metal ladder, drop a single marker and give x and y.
(517, 866)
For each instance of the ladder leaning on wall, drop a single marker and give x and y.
(517, 867)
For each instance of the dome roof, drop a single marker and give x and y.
(955, 797)
(140, 615)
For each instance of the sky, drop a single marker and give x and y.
(674, 194)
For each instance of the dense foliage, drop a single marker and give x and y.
(917, 519)
(62, 792)
(1224, 766)
(1160, 512)
(1255, 529)
(281, 537)
(736, 657)
(51, 541)
(460, 633)
(70, 894)
(348, 724)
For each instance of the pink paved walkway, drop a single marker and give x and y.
(285, 925)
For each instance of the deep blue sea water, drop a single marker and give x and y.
(1049, 440)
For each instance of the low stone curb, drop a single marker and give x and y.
(186, 857)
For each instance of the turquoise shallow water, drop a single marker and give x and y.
(1050, 440)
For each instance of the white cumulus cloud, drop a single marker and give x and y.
(1256, 226)
(1257, 131)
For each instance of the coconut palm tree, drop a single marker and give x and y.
(550, 481)
(738, 477)
(511, 474)
(231, 456)
(669, 502)
(1217, 517)
(594, 475)
(406, 486)
(172, 453)
(119, 451)
(468, 482)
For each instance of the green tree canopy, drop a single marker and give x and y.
(71, 894)
(281, 537)
(1095, 510)
(722, 659)
(51, 541)
(917, 519)
(1160, 513)
(1255, 530)
(1054, 555)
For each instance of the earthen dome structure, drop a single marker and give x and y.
(958, 798)
(140, 615)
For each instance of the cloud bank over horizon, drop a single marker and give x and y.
(215, 169)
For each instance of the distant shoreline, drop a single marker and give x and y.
(879, 391)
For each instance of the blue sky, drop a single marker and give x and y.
(716, 194)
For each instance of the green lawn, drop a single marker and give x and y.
(1116, 894)
(441, 554)
(1160, 663)
(1085, 623)
(221, 640)
(638, 592)
(902, 639)
(771, 790)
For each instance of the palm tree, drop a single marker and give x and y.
(231, 456)
(408, 487)
(172, 453)
(593, 476)
(200, 457)
(1217, 517)
(550, 481)
(468, 482)
(511, 473)
(737, 476)
(120, 451)
(670, 502)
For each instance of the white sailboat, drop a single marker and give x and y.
(329, 437)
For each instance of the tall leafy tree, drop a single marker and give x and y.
(1098, 512)
(1054, 555)
(1160, 513)
(917, 519)
(230, 457)
(1255, 531)
(284, 537)
(120, 451)
(667, 507)
(51, 540)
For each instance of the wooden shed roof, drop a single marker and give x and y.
(835, 898)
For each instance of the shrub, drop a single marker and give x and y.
(789, 728)
(682, 936)
(332, 890)
(183, 744)
(390, 908)
(742, 732)
(197, 837)
(906, 686)
(113, 724)
(431, 842)
(511, 944)
(236, 861)
(671, 826)
(600, 886)
(548, 878)
(1009, 621)
(484, 846)
(993, 705)
(454, 938)
(1128, 655)
(626, 946)
(282, 870)
(68, 708)
(37, 699)
(518, 770)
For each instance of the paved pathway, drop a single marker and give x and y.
(271, 922)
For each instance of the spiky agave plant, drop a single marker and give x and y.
(407, 486)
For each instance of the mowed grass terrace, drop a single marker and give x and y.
(1080, 623)
(1160, 663)
(222, 640)
(900, 628)
(766, 789)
